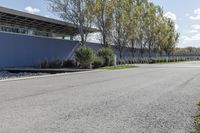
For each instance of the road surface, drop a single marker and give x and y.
(147, 99)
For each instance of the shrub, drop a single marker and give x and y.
(69, 64)
(85, 57)
(121, 61)
(43, 64)
(126, 60)
(55, 63)
(107, 55)
(98, 62)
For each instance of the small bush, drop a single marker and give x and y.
(152, 60)
(107, 55)
(121, 62)
(126, 60)
(98, 62)
(44, 64)
(85, 57)
(69, 64)
(56, 63)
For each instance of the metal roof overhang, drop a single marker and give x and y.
(25, 20)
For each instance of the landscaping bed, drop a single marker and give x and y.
(7, 75)
(119, 67)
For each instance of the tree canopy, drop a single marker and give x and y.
(134, 24)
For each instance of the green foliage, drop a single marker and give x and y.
(119, 67)
(69, 64)
(155, 60)
(102, 14)
(43, 64)
(139, 23)
(98, 62)
(122, 23)
(85, 57)
(164, 60)
(187, 51)
(74, 11)
(54, 63)
(107, 55)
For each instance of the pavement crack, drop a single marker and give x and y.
(184, 84)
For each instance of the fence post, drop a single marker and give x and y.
(167, 59)
(115, 60)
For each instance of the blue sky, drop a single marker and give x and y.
(186, 14)
(187, 17)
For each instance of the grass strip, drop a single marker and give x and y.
(119, 67)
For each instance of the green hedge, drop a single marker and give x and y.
(85, 57)
(107, 55)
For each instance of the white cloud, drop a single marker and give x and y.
(193, 31)
(32, 10)
(176, 26)
(192, 40)
(170, 15)
(192, 37)
(196, 14)
(173, 17)
(196, 27)
(195, 37)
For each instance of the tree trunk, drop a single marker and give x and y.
(168, 54)
(104, 39)
(120, 52)
(141, 52)
(133, 48)
(161, 54)
(149, 50)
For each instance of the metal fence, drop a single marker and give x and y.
(151, 60)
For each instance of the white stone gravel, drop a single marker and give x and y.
(8, 75)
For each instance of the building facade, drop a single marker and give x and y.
(27, 39)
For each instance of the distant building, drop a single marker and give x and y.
(27, 39)
(24, 23)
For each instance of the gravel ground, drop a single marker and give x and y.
(148, 99)
(7, 75)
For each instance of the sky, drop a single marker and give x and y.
(185, 13)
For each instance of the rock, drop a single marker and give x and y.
(7, 75)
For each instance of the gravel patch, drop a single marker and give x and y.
(8, 75)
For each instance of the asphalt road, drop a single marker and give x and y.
(148, 99)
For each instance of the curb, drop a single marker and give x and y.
(47, 76)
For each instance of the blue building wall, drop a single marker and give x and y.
(22, 50)
(25, 51)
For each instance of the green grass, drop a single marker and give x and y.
(119, 67)
(197, 120)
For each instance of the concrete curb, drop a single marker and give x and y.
(48, 75)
